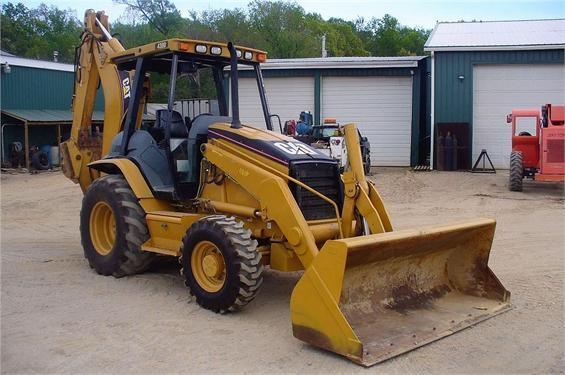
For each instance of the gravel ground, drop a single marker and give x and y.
(59, 316)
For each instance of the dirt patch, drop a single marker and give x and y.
(58, 316)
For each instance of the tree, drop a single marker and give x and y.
(341, 38)
(135, 35)
(229, 25)
(162, 15)
(283, 28)
(386, 37)
(37, 33)
(413, 41)
(17, 26)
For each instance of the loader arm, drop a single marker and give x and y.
(92, 69)
(278, 204)
(361, 194)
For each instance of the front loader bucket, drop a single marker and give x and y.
(373, 297)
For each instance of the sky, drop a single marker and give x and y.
(412, 13)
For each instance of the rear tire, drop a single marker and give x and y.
(516, 171)
(221, 263)
(113, 227)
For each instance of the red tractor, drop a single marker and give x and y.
(538, 153)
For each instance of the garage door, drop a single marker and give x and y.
(382, 109)
(287, 97)
(497, 89)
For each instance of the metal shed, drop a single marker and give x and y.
(481, 70)
(36, 102)
(385, 96)
(40, 127)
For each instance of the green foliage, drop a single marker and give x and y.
(37, 33)
(135, 35)
(341, 38)
(161, 15)
(386, 37)
(284, 28)
(281, 28)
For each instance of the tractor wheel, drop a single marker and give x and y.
(40, 161)
(113, 227)
(516, 171)
(221, 263)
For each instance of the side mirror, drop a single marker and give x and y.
(363, 139)
(509, 118)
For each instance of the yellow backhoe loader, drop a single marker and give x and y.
(229, 199)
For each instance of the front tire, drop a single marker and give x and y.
(516, 171)
(221, 263)
(113, 227)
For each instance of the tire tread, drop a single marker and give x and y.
(247, 260)
(132, 260)
(516, 171)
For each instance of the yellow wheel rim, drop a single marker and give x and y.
(102, 228)
(208, 266)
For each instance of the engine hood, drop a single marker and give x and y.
(275, 146)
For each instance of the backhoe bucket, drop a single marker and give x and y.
(373, 297)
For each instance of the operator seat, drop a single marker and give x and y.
(178, 127)
(178, 144)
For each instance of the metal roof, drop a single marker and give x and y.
(302, 63)
(31, 63)
(47, 115)
(497, 35)
(343, 62)
(53, 116)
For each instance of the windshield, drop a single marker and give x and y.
(325, 132)
(206, 78)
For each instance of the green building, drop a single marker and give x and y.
(481, 71)
(35, 104)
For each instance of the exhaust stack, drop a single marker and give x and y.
(235, 123)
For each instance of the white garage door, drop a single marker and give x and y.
(497, 89)
(382, 109)
(286, 96)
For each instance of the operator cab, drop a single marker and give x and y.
(168, 153)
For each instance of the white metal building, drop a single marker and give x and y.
(380, 94)
(482, 70)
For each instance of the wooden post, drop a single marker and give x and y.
(26, 146)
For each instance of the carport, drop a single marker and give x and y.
(55, 120)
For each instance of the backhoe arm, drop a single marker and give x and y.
(92, 69)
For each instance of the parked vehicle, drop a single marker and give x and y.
(329, 138)
(228, 199)
(537, 153)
